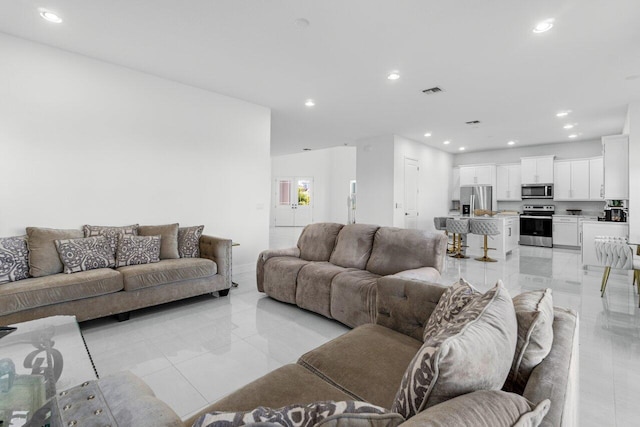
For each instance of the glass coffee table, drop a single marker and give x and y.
(41, 357)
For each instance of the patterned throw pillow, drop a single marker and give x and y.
(465, 355)
(135, 250)
(88, 253)
(189, 241)
(326, 414)
(111, 233)
(14, 259)
(534, 311)
(450, 304)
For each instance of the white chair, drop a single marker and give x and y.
(615, 252)
(485, 227)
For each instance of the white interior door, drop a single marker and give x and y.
(293, 201)
(411, 193)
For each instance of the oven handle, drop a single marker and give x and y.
(536, 217)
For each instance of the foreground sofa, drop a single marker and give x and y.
(368, 363)
(334, 268)
(106, 291)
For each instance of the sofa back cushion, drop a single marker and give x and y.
(169, 235)
(43, 255)
(398, 249)
(318, 240)
(354, 245)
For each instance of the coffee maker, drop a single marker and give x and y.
(615, 211)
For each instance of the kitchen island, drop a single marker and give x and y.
(503, 243)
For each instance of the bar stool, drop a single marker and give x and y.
(485, 227)
(440, 223)
(458, 227)
(615, 252)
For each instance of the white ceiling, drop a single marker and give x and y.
(492, 67)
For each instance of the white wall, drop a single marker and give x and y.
(375, 178)
(331, 169)
(563, 150)
(83, 141)
(632, 127)
(434, 181)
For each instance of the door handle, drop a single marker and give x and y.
(406, 213)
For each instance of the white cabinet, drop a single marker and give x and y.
(615, 150)
(508, 182)
(571, 180)
(565, 231)
(477, 175)
(596, 175)
(512, 233)
(537, 170)
(455, 193)
(591, 229)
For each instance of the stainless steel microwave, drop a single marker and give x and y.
(537, 191)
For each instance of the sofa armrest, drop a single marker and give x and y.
(219, 250)
(271, 253)
(405, 305)
(556, 377)
(426, 274)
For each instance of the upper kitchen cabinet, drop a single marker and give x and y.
(508, 183)
(455, 190)
(537, 170)
(571, 180)
(615, 150)
(596, 175)
(477, 175)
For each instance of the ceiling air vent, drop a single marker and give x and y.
(473, 122)
(432, 90)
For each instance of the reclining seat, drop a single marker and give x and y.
(278, 269)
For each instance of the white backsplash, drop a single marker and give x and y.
(588, 208)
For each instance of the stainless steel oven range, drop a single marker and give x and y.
(536, 225)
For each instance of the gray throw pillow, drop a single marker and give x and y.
(14, 259)
(189, 241)
(43, 255)
(450, 304)
(111, 233)
(135, 250)
(326, 414)
(534, 311)
(495, 408)
(169, 234)
(472, 352)
(87, 253)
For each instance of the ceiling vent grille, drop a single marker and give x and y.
(473, 122)
(432, 90)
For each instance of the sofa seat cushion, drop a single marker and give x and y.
(367, 363)
(280, 277)
(166, 271)
(58, 288)
(353, 297)
(286, 385)
(353, 246)
(313, 290)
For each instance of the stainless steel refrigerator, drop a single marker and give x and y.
(474, 197)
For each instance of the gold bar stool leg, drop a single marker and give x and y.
(605, 278)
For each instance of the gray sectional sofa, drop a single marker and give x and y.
(334, 268)
(368, 364)
(106, 291)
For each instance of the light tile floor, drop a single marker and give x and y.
(196, 351)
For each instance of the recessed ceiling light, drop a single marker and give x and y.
(394, 75)
(310, 103)
(543, 26)
(447, 142)
(564, 113)
(461, 148)
(511, 142)
(568, 126)
(573, 135)
(428, 134)
(50, 16)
